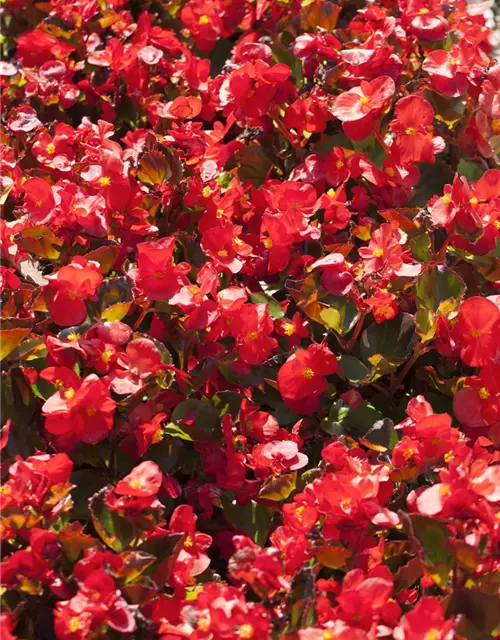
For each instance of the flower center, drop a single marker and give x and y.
(289, 329)
(50, 149)
(483, 393)
(69, 393)
(104, 181)
(378, 253)
(106, 355)
(495, 126)
(246, 631)
(308, 373)
(364, 99)
(410, 131)
(203, 20)
(74, 624)
(253, 335)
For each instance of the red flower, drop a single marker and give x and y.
(140, 360)
(158, 277)
(84, 414)
(278, 457)
(412, 126)
(192, 560)
(252, 331)
(383, 306)
(425, 622)
(489, 100)
(255, 85)
(182, 108)
(69, 287)
(301, 380)
(97, 603)
(142, 482)
(448, 70)
(359, 106)
(477, 331)
(306, 116)
(39, 201)
(224, 246)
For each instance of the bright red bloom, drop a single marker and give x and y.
(412, 126)
(192, 560)
(142, 482)
(252, 331)
(225, 247)
(69, 287)
(383, 306)
(140, 360)
(477, 331)
(306, 116)
(157, 276)
(278, 457)
(427, 620)
(39, 201)
(425, 20)
(301, 380)
(255, 85)
(384, 253)
(97, 603)
(84, 414)
(358, 107)
(489, 100)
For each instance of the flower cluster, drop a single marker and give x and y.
(250, 322)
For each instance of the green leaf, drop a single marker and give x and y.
(439, 284)
(471, 170)
(280, 488)
(481, 609)
(205, 425)
(273, 306)
(116, 532)
(353, 369)
(175, 431)
(114, 291)
(166, 453)
(106, 257)
(10, 339)
(339, 313)
(432, 181)
(87, 482)
(165, 550)
(433, 536)
(253, 165)
(301, 594)
(284, 55)
(254, 519)
(391, 339)
(41, 241)
(365, 423)
(18, 399)
(421, 247)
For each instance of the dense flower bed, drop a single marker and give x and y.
(251, 320)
